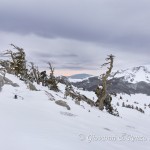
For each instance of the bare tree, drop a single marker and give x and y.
(35, 72)
(52, 69)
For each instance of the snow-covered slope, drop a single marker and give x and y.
(134, 75)
(75, 80)
(34, 122)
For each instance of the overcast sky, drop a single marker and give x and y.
(77, 35)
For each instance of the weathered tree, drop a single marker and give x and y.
(43, 78)
(52, 82)
(17, 64)
(68, 90)
(34, 74)
(103, 90)
(104, 98)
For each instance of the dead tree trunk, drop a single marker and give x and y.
(35, 73)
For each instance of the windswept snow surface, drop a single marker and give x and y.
(33, 122)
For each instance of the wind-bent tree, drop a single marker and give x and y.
(17, 63)
(18, 66)
(104, 98)
(103, 94)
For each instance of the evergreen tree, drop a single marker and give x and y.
(17, 64)
(52, 82)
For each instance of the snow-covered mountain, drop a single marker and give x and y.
(134, 75)
(79, 77)
(128, 81)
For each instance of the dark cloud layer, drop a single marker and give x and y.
(121, 25)
(124, 23)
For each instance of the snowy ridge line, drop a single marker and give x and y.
(134, 75)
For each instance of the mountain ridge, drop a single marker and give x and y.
(80, 76)
(129, 81)
(133, 75)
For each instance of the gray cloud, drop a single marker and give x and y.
(48, 55)
(80, 31)
(108, 22)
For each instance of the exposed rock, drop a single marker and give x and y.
(8, 81)
(14, 84)
(15, 97)
(31, 86)
(62, 103)
(1, 82)
(77, 102)
(4, 80)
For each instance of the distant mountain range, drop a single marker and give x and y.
(129, 81)
(80, 76)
